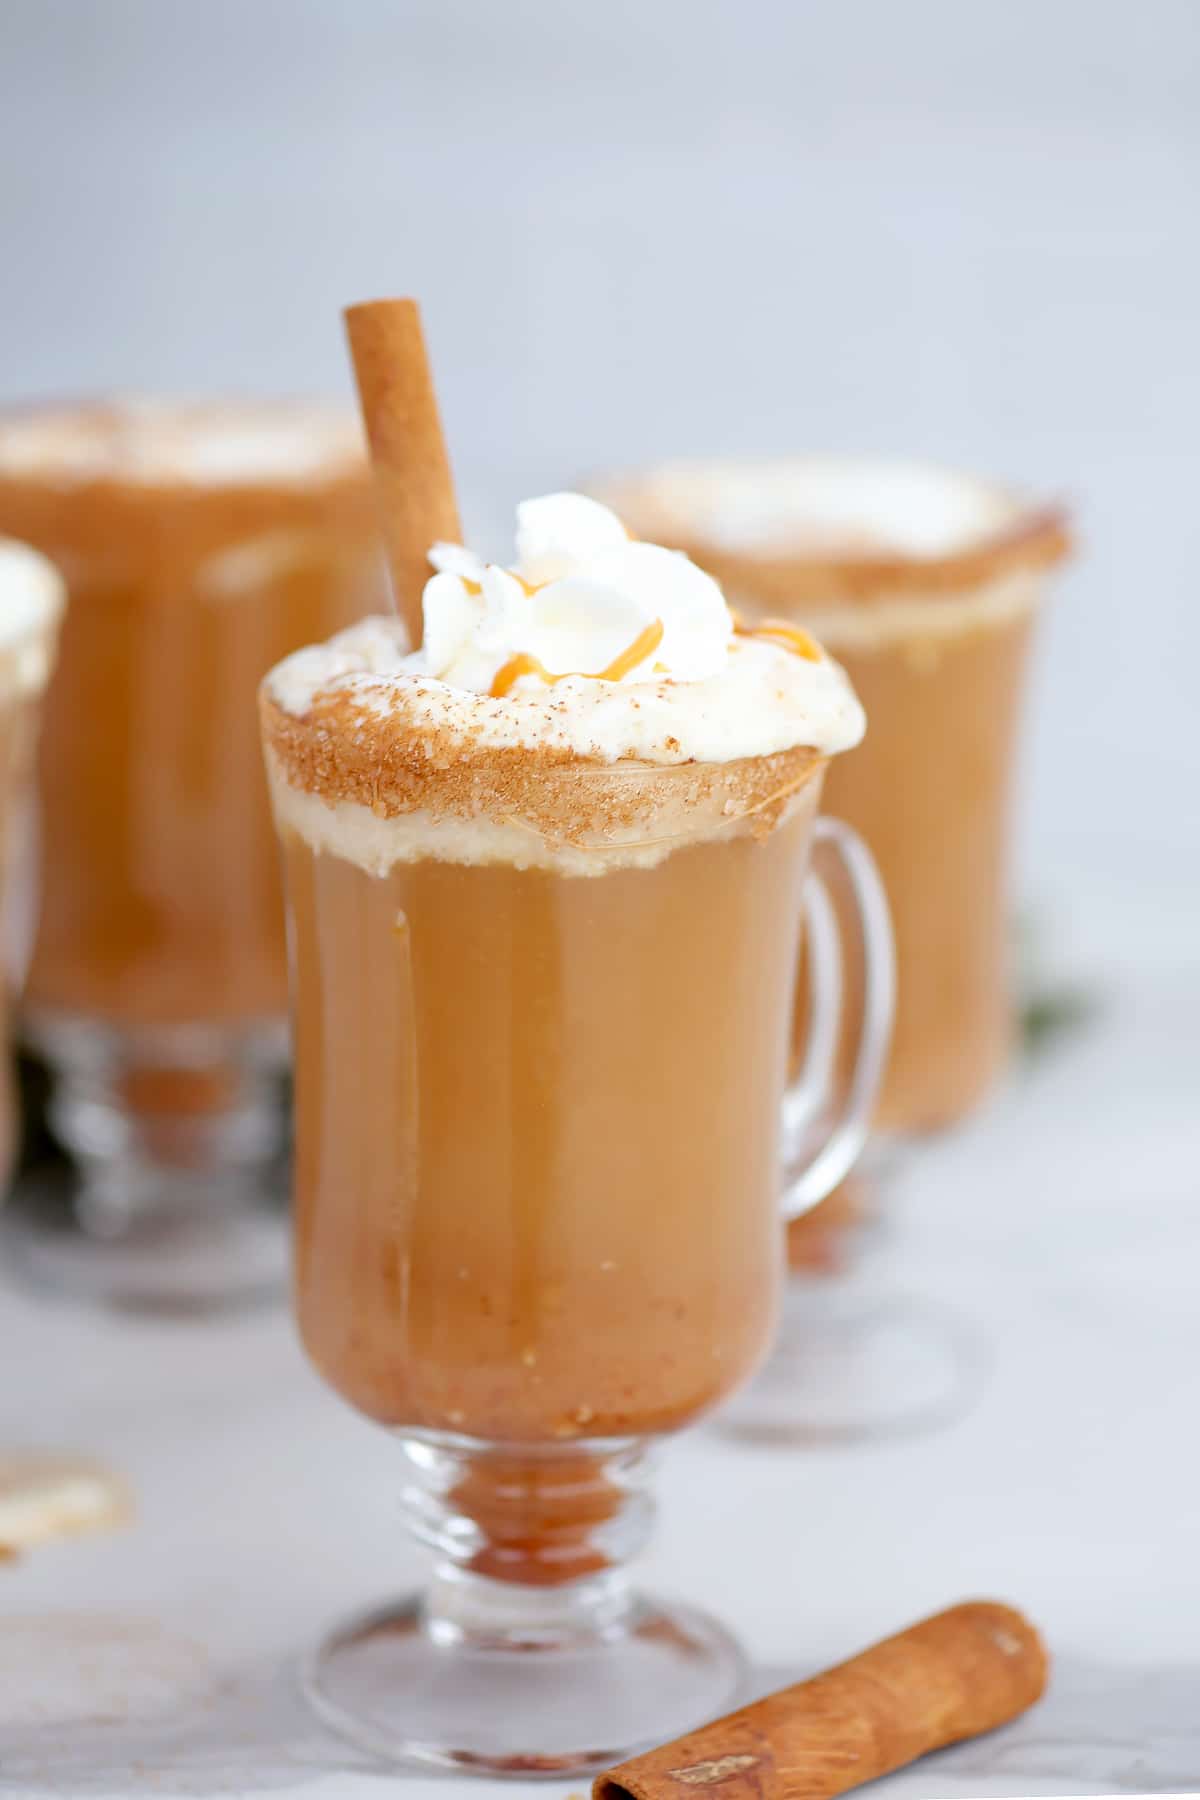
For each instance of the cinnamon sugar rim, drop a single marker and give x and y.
(152, 442)
(1033, 538)
(1033, 544)
(346, 756)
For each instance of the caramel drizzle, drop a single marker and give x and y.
(475, 588)
(643, 645)
(778, 631)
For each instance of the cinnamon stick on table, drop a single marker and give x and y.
(413, 482)
(954, 1676)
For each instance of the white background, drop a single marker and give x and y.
(650, 226)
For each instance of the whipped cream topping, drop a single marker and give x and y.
(593, 646)
(581, 595)
(31, 599)
(197, 443)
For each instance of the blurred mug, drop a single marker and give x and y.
(199, 543)
(925, 583)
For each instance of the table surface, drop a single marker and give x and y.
(1062, 1230)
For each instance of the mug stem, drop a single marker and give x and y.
(529, 1651)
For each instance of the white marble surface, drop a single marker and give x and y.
(1066, 1228)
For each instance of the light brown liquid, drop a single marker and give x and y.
(161, 901)
(929, 789)
(538, 1119)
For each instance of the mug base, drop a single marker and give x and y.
(393, 1684)
(228, 1253)
(171, 1197)
(854, 1361)
(853, 1367)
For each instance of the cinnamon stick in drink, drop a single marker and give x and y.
(413, 481)
(954, 1676)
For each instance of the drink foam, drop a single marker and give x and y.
(818, 505)
(153, 442)
(476, 749)
(762, 700)
(867, 552)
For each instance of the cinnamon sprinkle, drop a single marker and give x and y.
(398, 763)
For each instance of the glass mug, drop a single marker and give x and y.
(31, 603)
(537, 1221)
(199, 544)
(926, 584)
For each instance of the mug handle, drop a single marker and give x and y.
(811, 1094)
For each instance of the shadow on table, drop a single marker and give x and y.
(250, 1733)
(1135, 1731)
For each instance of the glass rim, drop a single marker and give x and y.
(1024, 535)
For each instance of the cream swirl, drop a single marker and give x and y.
(580, 600)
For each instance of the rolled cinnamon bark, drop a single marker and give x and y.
(953, 1676)
(413, 481)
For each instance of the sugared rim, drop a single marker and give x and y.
(339, 752)
(988, 531)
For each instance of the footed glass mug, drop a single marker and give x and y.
(926, 584)
(199, 544)
(542, 1018)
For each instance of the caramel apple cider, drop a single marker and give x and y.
(514, 1135)
(926, 583)
(199, 544)
(545, 880)
(31, 601)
